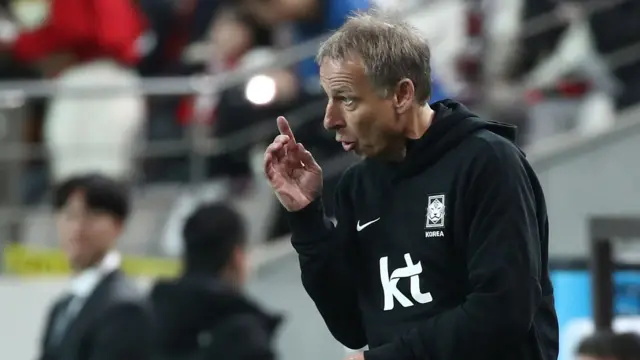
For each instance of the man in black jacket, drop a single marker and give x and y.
(441, 244)
(203, 314)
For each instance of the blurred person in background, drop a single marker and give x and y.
(204, 313)
(103, 315)
(609, 346)
(237, 42)
(176, 28)
(191, 37)
(81, 44)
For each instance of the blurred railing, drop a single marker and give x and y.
(196, 145)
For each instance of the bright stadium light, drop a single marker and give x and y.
(260, 90)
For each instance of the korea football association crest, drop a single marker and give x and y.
(435, 212)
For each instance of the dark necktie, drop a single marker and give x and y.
(62, 319)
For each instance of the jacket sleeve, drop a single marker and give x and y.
(322, 252)
(503, 263)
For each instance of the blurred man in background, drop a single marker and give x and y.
(103, 315)
(610, 346)
(80, 44)
(204, 313)
(238, 42)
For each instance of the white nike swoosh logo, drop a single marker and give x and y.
(361, 227)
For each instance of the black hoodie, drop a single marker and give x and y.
(202, 318)
(442, 256)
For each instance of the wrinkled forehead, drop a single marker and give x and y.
(340, 72)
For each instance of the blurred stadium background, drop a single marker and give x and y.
(214, 75)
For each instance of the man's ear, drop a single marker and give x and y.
(239, 262)
(404, 94)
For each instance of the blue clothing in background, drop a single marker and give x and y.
(335, 13)
(437, 92)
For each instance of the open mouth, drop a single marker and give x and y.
(348, 146)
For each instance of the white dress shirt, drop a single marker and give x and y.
(85, 282)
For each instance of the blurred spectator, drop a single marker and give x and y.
(610, 346)
(204, 313)
(103, 315)
(77, 43)
(197, 36)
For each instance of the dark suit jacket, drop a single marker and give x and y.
(113, 324)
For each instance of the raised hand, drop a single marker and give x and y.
(294, 175)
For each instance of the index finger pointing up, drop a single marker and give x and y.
(285, 129)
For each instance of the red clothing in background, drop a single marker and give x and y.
(89, 29)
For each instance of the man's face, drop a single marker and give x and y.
(364, 121)
(86, 235)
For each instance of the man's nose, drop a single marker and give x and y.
(333, 119)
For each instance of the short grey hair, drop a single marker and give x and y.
(390, 49)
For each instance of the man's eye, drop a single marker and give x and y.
(348, 101)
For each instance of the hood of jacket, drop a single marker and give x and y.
(452, 124)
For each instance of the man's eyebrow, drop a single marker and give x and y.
(340, 90)
(336, 91)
